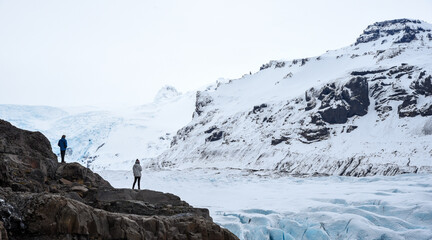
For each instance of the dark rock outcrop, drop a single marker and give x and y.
(408, 108)
(423, 86)
(259, 108)
(317, 134)
(41, 199)
(407, 27)
(202, 100)
(211, 129)
(340, 103)
(276, 141)
(27, 161)
(215, 136)
(426, 110)
(337, 114)
(356, 94)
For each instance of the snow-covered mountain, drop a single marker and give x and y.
(360, 110)
(109, 139)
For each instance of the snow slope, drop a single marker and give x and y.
(361, 110)
(109, 138)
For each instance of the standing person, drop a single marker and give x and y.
(62, 143)
(137, 173)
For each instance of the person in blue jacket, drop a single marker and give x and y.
(62, 143)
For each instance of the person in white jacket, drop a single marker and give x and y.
(137, 173)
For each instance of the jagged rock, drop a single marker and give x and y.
(210, 130)
(271, 64)
(339, 104)
(390, 28)
(280, 65)
(215, 136)
(182, 134)
(408, 108)
(10, 217)
(259, 108)
(426, 110)
(332, 115)
(317, 134)
(202, 100)
(276, 141)
(317, 120)
(356, 93)
(423, 86)
(403, 69)
(310, 99)
(310, 105)
(351, 128)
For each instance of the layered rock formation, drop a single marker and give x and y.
(41, 199)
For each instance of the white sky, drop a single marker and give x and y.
(80, 52)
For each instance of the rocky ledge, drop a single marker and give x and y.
(42, 199)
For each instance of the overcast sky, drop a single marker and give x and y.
(72, 53)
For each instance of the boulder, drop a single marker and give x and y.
(27, 162)
(75, 172)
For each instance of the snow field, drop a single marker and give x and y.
(263, 205)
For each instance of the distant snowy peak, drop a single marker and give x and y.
(165, 93)
(382, 40)
(397, 31)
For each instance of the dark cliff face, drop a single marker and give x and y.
(407, 28)
(42, 199)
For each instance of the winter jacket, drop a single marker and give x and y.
(62, 143)
(137, 170)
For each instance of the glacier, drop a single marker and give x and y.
(262, 205)
(108, 137)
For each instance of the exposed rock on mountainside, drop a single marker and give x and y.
(41, 199)
(406, 31)
(357, 111)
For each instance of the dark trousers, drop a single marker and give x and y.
(62, 153)
(139, 180)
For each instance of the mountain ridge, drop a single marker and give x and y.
(322, 109)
